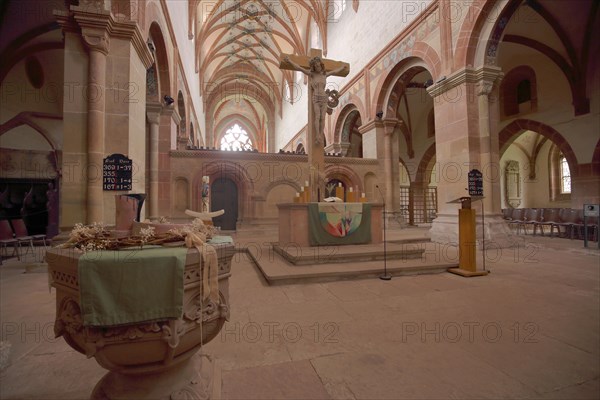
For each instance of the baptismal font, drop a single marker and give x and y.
(143, 303)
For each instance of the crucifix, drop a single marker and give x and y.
(323, 101)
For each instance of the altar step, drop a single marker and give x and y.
(356, 264)
(405, 249)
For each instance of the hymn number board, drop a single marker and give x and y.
(475, 183)
(118, 171)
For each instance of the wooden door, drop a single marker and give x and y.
(224, 195)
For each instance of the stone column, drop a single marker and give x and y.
(97, 41)
(166, 134)
(388, 161)
(372, 137)
(153, 111)
(495, 228)
(465, 141)
(380, 142)
(101, 114)
(489, 156)
(392, 171)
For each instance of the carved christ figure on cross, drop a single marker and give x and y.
(323, 99)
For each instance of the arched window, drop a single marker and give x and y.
(315, 35)
(336, 8)
(560, 175)
(565, 175)
(236, 139)
(524, 91)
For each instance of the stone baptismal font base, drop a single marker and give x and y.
(156, 359)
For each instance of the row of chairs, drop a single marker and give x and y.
(567, 222)
(14, 233)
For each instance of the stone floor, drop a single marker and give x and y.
(530, 329)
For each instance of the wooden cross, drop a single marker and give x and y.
(322, 101)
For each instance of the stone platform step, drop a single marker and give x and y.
(278, 271)
(404, 249)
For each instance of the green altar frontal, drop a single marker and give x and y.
(325, 224)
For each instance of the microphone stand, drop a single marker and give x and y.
(385, 276)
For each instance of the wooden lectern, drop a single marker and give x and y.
(467, 243)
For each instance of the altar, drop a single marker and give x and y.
(316, 224)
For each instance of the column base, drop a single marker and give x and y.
(195, 379)
(395, 220)
(498, 235)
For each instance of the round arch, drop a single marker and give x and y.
(181, 110)
(279, 182)
(161, 64)
(347, 117)
(344, 174)
(510, 132)
(390, 88)
(479, 24)
(423, 174)
(222, 169)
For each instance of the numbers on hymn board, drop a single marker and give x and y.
(475, 183)
(117, 172)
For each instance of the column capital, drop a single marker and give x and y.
(389, 125)
(96, 39)
(153, 111)
(484, 88)
(485, 73)
(168, 111)
(372, 124)
(93, 18)
(332, 148)
(95, 23)
(338, 148)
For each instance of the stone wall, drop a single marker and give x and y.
(262, 180)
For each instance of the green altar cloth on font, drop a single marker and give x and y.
(130, 286)
(222, 239)
(339, 223)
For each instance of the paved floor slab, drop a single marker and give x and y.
(530, 330)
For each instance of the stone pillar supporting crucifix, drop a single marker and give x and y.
(323, 100)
